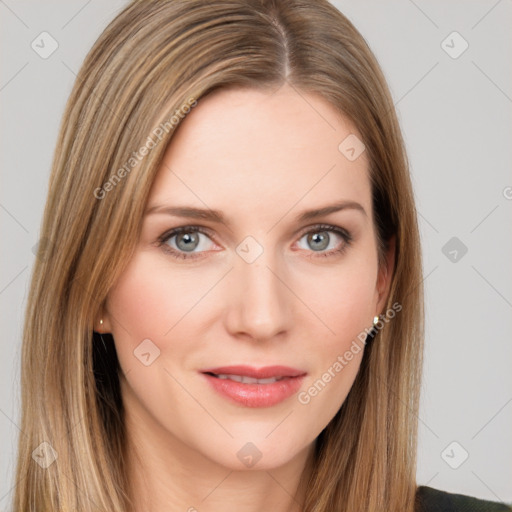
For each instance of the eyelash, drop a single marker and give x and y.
(165, 237)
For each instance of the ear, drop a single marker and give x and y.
(104, 327)
(385, 275)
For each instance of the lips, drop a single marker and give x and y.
(255, 387)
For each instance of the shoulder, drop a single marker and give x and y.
(434, 500)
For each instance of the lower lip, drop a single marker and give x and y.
(256, 395)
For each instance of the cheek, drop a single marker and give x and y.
(350, 299)
(343, 300)
(345, 304)
(150, 302)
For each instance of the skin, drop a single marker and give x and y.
(261, 158)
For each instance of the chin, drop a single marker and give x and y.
(256, 452)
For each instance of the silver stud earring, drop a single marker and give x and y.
(376, 319)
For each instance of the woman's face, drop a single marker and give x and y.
(272, 284)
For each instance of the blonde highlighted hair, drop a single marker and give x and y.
(150, 61)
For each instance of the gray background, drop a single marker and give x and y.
(456, 118)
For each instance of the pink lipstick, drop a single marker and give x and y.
(255, 387)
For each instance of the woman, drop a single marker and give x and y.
(229, 310)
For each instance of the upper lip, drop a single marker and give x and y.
(264, 372)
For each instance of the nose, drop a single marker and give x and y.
(260, 304)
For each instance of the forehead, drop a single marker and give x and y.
(247, 150)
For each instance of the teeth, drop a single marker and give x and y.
(249, 380)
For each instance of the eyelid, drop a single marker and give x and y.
(186, 228)
(323, 226)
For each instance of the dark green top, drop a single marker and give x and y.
(434, 500)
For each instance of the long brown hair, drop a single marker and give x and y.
(151, 60)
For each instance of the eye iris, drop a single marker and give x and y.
(187, 241)
(319, 240)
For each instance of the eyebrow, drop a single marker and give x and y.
(217, 216)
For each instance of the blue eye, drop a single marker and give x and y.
(187, 241)
(184, 242)
(325, 240)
